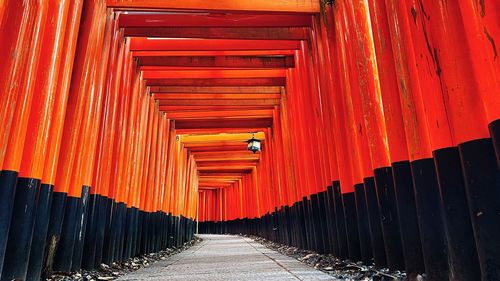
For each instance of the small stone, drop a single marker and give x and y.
(308, 256)
(105, 278)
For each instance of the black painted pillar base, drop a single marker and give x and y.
(307, 223)
(102, 214)
(135, 230)
(81, 229)
(287, 224)
(88, 259)
(351, 222)
(109, 233)
(408, 220)
(38, 243)
(376, 236)
(144, 232)
(171, 230)
(310, 225)
(464, 264)
(21, 230)
(129, 233)
(363, 225)
(482, 183)
(57, 210)
(64, 253)
(430, 219)
(8, 183)
(391, 230)
(301, 224)
(121, 209)
(316, 220)
(324, 220)
(341, 221)
(334, 244)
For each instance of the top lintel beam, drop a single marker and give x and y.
(213, 20)
(283, 6)
(160, 44)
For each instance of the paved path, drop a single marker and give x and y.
(225, 257)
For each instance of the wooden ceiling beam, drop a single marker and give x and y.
(217, 82)
(220, 61)
(220, 102)
(221, 114)
(246, 33)
(218, 159)
(226, 148)
(181, 108)
(227, 162)
(217, 130)
(175, 19)
(200, 138)
(208, 154)
(283, 6)
(187, 96)
(158, 44)
(213, 53)
(215, 174)
(252, 124)
(224, 168)
(214, 74)
(218, 90)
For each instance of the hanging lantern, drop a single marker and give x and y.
(253, 144)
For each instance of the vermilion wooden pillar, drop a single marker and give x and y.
(54, 40)
(466, 116)
(395, 182)
(55, 138)
(70, 175)
(20, 81)
(422, 135)
(99, 92)
(34, 154)
(322, 31)
(99, 194)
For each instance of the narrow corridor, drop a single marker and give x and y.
(227, 257)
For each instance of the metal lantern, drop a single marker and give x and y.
(253, 144)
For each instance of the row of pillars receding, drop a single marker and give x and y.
(82, 144)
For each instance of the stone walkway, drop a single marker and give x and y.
(226, 257)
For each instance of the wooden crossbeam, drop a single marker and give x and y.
(152, 53)
(253, 124)
(201, 96)
(180, 108)
(282, 6)
(213, 20)
(215, 174)
(220, 61)
(217, 82)
(214, 74)
(252, 33)
(217, 90)
(152, 44)
(201, 138)
(216, 130)
(220, 102)
(221, 114)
